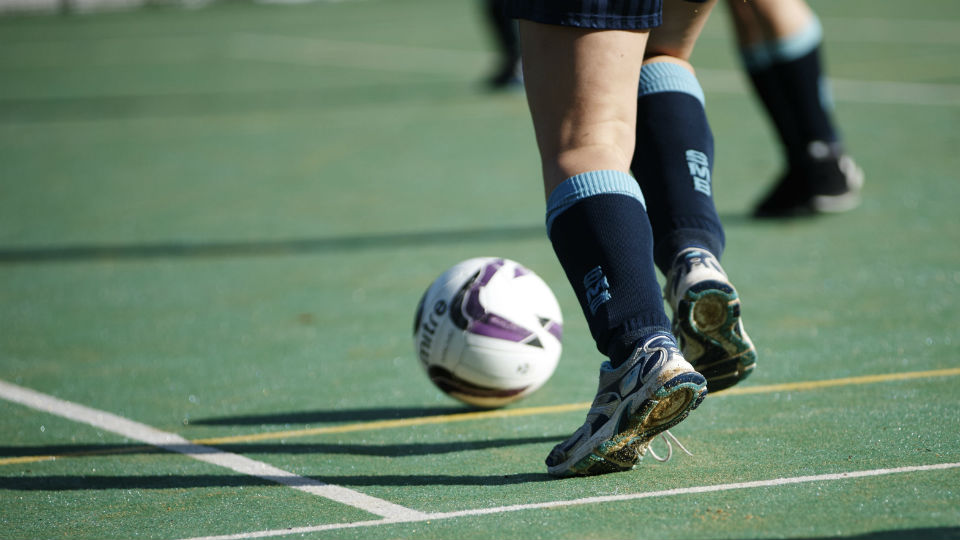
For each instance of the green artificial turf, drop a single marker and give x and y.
(206, 231)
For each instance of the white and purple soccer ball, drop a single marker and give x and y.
(488, 332)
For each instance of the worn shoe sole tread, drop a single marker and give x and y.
(670, 404)
(709, 314)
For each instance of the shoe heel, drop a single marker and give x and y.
(713, 310)
(674, 401)
(710, 306)
(709, 314)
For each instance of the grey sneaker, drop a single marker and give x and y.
(706, 319)
(649, 393)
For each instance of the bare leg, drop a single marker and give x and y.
(675, 38)
(757, 21)
(581, 86)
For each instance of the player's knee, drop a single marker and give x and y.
(654, 57)
(595, 156)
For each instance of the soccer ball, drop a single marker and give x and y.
(488, 332)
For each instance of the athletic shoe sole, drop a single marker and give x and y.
(618, 444)
(708, 322)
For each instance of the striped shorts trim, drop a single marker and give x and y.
(598, 14)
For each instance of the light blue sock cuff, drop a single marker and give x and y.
(579, 187)
(764, 55)
(669, 77)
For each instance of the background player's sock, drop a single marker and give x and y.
(673, 162)
(788, 77)
(601, 235)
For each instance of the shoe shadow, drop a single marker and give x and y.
(377, 450)
(332, 416)
(387, 450)
(436, 480)
(54, 483)
(103, 482)
(927, 533)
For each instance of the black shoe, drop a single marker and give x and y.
(829, 182)
(509, 75)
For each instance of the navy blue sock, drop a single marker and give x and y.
(788, 77)
(766, 84)
(601, 235)
(673, 163)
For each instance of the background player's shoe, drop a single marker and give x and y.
(706, 319)
(509, 75)
(649, 393)
(830, 182)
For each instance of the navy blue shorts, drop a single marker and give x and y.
(600, 14)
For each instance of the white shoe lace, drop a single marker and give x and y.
(667, 437)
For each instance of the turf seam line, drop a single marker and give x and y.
(175, 443)
(771, 483)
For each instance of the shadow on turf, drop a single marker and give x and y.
(291, 246)
(98, 482)
(193, 105)
(381, 450)
(928, 533)
(344, 415)
(266, 247)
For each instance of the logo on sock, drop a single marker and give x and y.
(699, 165)
(597, 288)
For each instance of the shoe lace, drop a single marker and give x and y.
(667, 437)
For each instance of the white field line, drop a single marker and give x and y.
(892, 31)
(900, 31)
(776, 482)
(175, 443)
(314, 52)
(724, 81)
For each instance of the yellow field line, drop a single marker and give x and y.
(85, 453)
(500, 413)
(845, 381)
(27, 459)
(400, 422)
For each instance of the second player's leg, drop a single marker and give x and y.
(780, 44)
(673, 163)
